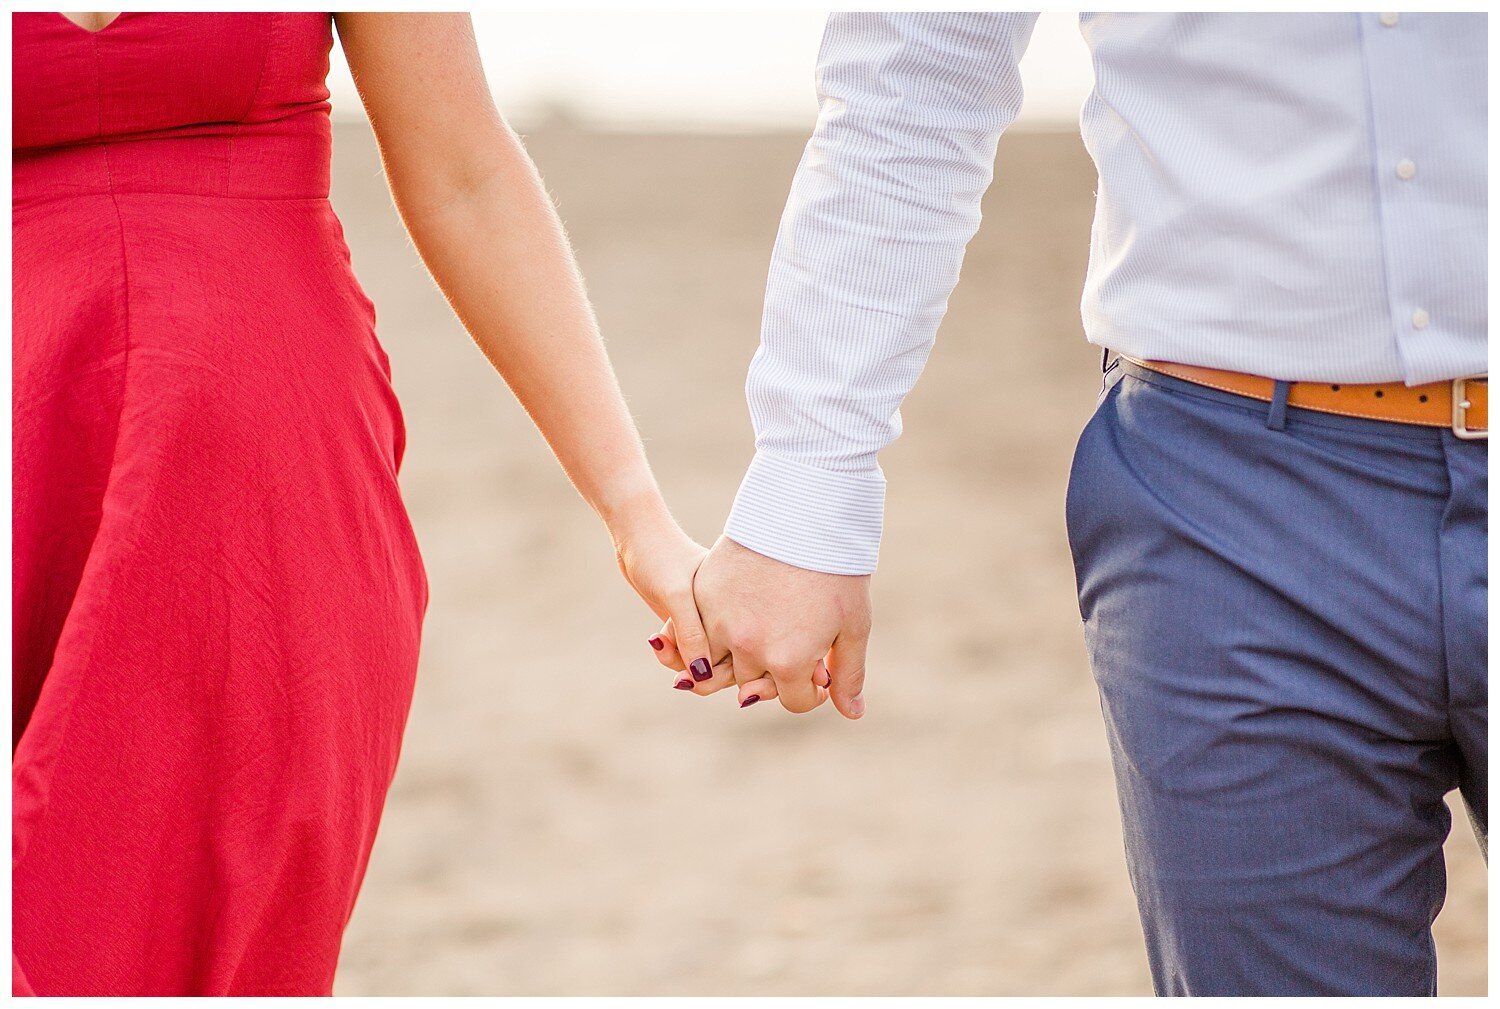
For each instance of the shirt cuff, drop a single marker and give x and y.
(808, 517)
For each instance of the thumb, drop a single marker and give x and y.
(692, 642)
(846, 669)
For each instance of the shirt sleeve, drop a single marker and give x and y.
(885, 199)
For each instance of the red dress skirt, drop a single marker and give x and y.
(217, 595)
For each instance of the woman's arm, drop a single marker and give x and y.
(484, 225)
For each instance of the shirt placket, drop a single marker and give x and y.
(1399, 152)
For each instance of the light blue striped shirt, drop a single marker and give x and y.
(1300, 196)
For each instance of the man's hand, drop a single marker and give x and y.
(781, 625)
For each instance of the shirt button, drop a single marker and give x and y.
(1389, 20)
(1406, 169)
(1420, 319)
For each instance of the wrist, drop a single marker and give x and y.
(635, 511)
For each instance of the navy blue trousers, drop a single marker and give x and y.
(1285, 613)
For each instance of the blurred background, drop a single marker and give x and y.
(564, 822)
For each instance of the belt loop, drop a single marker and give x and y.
(1106, 366)
(1276, 417)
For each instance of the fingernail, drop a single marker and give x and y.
(700, 669)
(657, 643)
(749, 700)
(858, 704)
(683, 685)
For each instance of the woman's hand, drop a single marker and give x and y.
(659, 561)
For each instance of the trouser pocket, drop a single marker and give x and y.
(1082, 501)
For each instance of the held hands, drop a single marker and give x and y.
(775, 631)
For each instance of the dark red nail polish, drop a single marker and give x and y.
(700, 670)
(658, 643)
(749, 700)
(683, 685)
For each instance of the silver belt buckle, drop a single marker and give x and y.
(1461, 406)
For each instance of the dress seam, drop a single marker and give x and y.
(112, 193)
(265, 57)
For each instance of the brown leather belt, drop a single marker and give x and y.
(1461, 405)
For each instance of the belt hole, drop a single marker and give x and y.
(1422, 398)
(1379, 393)
(1334, 388)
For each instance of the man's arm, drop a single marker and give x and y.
(885, 200)
(881, 208)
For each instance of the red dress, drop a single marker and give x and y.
(217, 595)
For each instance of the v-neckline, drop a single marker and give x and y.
(106, 26)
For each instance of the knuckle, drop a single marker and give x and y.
(748, 638)
(780, 657)
(845, 688)
(784, 673)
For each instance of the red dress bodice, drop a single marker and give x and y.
(212, 104)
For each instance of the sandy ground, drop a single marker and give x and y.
(565, 823)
